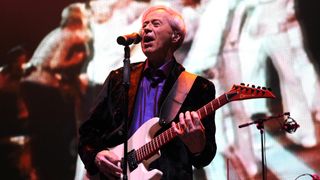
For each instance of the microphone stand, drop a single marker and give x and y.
(126, 85)
(260, 127)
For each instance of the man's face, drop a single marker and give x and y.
(156, 34)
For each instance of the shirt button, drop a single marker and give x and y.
(120, 132)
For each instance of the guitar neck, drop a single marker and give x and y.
(149, 149)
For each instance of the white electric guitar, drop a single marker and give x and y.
(143, 147)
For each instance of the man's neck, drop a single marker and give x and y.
(158, 61)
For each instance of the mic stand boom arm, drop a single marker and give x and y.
(260, 126)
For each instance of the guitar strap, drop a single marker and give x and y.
(176, 97)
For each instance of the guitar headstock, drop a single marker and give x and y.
(241, 92)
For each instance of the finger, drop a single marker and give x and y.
(110, 167)
(196, 120)
(176, 128)
(188, 120)
(183, 126)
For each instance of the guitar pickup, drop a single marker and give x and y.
(132, 161)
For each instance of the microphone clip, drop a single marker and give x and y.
(290, 125)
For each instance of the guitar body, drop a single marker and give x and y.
(142, 136)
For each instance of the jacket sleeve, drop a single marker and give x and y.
(92, 130)
(205, 93)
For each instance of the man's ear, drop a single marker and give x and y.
(176, 36)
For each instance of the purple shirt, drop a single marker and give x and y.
(150, 89)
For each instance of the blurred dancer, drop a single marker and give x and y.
(14, 117)
(109, 20)
(277, 35)
(53, 91)
(214, 44)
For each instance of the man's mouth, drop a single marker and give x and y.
(147, 39)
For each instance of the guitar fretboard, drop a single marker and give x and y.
(149, 149)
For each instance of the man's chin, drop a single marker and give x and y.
(148, 51)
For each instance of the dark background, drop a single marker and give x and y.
(308, 14)
(26, 22)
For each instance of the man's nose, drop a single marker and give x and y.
(147, 28)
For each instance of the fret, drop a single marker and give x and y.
(138, 155)
(163, 139)
(143, 152)
(218, 99)
(212, 109)
(153, 145)
(148, 149)
(205, 110)
(155, 140)
(170, 132)
(165, 136)
(199, 113)
(160, 140)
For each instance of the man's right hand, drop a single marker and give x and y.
(108, 163)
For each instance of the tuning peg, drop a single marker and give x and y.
(269, 89)
(248, 85)
(259, 87)
(242, 84)
(253, 86)
(264, 88)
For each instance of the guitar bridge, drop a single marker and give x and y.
(132, 161)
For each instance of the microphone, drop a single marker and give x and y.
(128, 39)
(290, 125)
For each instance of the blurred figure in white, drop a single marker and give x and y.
(214, 45)
(207, 39)
(53, 93)
(110, 19)
(272, 31)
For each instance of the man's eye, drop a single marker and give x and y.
(156, 24)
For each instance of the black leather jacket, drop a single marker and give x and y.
(104, 127)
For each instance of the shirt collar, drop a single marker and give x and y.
(165, 68)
